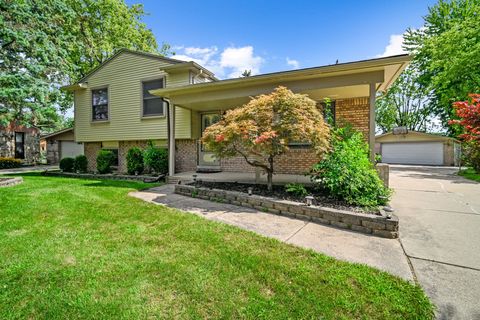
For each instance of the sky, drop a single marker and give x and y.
(229, 37)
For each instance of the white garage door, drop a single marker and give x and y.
(70, 149)
(413, 153)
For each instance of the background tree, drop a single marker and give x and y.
(468, 113)
(262, 129)
(48, 44)
(447, 51)
(406, 104)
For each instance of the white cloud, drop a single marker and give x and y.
(293, 63)
(394, 46)
(230, 62)
(239, 60)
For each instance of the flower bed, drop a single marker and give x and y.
(381, 225)
(8, 182)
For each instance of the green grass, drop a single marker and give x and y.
(80, 249)
(470, 174)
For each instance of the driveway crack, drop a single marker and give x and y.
(295, 233)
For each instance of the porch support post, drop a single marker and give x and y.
(171, 139)
(371, 127)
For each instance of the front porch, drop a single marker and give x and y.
(240, 177)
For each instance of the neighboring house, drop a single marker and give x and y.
(418, 148)
(135, 97)
(61, 144)
(20, 142)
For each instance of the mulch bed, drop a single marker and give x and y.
(279, 192)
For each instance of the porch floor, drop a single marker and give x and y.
(241, 177)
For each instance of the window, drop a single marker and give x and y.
(152, 105)
(20, 145)
(100, 104)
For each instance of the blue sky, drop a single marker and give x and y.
(266, 36)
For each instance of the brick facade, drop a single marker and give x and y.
(295, 161)
(185, 155)
(123, 147)
(91, 150)
(354, 111)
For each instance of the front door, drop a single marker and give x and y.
(20, 145)
(207, 162)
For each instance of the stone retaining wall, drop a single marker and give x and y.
(99, 176)
(10, 182)
(366, 223)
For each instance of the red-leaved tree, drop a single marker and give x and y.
(469, 120)
(263, 128)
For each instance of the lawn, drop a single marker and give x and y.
(72, 248)
(470, 174)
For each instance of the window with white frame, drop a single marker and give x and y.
(100, 104)
(152, 105)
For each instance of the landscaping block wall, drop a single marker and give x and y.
(378, 225)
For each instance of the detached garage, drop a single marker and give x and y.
(417, 148)
(61, 144)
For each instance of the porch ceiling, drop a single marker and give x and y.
(337, 82)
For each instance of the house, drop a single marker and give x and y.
(135, 97)
(412, 147)
(20, 142)
(61, 144)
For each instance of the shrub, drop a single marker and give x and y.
(347, 174)
(105, 159)
(66, 164)
(297, 189)
(471, 154)
(135, 161)
(156, 159)
(9, 163)
(80, 164)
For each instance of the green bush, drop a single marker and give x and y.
(105, 159)
(297, 189)
(346, 172)
(9, 163)
(156, 159)
(135, 161)
(66, 164)
(471, 155)
(80, 164)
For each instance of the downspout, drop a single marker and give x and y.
(169, 130)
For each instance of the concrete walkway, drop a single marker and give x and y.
(439, 214)
(385, 254)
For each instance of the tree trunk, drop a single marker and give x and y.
(270, 174)
(269, 180)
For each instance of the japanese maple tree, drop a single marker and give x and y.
(263, 128)
(469, 120)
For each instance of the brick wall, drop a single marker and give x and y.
(123, 147)
(91, 150)
(355, 111)
(295, 161)
(185, 155)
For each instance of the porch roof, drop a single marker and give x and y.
(338, 81)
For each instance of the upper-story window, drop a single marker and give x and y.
(100, 104)
(152, 105)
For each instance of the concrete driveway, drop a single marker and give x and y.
(440, 232)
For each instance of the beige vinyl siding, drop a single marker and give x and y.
(123, 76)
